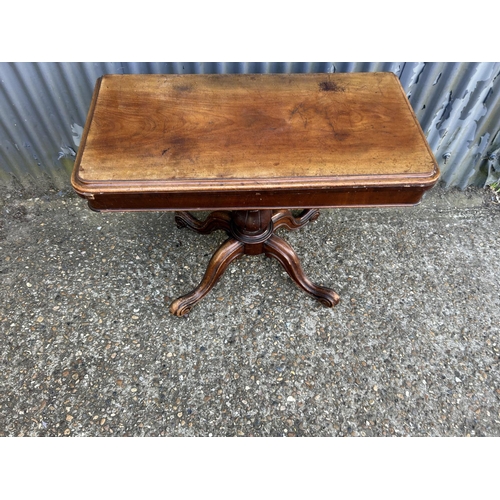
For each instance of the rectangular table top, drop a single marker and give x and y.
(238, 136)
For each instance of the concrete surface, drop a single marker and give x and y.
(88, 347)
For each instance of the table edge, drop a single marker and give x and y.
(233, 185)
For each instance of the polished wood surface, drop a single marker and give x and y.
(264, 139)
(251, 147)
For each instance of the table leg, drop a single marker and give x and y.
(216, 220)
(230, 250)
(286, 218)
(286, 256)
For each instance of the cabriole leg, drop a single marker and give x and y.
(286, 256)
(214, 221)
(230, 250)
(287, 219)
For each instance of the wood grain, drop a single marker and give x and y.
(230, 133)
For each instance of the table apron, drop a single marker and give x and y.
(377, 196)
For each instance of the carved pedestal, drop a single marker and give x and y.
(250, 232)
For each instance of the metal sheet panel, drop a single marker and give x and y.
(43, 108)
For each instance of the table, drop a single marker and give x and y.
(249, 149)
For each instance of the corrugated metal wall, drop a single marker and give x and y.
(43, 107)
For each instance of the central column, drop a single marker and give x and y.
(253, 228)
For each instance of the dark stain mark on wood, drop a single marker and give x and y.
(179, 141)
(329, 86)
(295, 110)
(183, 88)
(341, 136)
(180, 148)
(298, 109)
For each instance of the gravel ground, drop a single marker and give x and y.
(88, 347)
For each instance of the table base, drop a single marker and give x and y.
(250, 232)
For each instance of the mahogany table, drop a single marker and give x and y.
(250, 148)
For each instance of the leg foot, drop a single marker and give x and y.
(284, 253)
(216, 220)
(226, 253)
(286, 218)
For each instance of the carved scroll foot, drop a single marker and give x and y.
(284, 253)
(230, 250)
(287, 219)
(216, 220)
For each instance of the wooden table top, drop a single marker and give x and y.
(232, 133)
